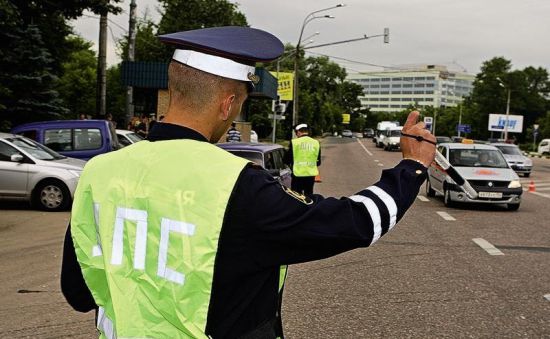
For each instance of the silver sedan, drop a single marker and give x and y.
(32, 172)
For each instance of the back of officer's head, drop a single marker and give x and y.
(198, 91)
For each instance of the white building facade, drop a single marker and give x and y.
(394, 90)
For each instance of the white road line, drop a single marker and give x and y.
(541, 194)
(487, 246)
(422, 198)
(380, 164)
(376, 160)
(366, 150)
(547, 297)
(445, 216)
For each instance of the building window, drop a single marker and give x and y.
(385, 79)
(384, 92)
(407, 85)
(397, 79)
(396, 85)
(384, 86)
(419, 85)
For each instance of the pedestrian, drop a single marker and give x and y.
(304, 157)
(141, 127)
(233, 134)
(185, 240)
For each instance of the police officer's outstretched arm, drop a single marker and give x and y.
(292, 229)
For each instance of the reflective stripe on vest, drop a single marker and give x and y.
(145, 223)
(305, 151)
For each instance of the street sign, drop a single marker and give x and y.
(464, 128)
(428, 121)
(277, 117)
(535, 127)
(497, 123)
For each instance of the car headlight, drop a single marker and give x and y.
(514, 184)
(76, 173)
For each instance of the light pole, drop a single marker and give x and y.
(310, 17)
(501, 83)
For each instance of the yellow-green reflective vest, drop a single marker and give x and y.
(145, 222)
(305, 151)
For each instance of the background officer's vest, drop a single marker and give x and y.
(305, 151)
(146, 221)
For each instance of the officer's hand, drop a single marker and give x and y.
(411, 148)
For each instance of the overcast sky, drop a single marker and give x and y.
(458, 33)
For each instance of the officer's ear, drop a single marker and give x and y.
(226, 106)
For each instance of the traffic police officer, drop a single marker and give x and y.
(173, 237)
(303, 156)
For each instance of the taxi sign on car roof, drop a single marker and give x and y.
(467, 141)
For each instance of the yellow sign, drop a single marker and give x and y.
(346, 118)
(285, 89)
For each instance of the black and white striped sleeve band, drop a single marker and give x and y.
(374, 210)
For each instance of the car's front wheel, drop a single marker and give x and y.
(51, 195)
(429, 190)
(512, 207)
(447, 198)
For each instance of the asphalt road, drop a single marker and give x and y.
(427, 278)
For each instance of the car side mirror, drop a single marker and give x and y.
(17, 157)
(274, 172)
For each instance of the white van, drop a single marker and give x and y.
(381, 129)
(544, 147)
(393, 138)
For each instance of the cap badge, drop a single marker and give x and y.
(254, 78)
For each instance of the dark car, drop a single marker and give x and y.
(368, 133)
(269, 156)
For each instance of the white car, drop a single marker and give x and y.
(347, 133)
(544, 147)
(126, 138)
(485, 169)
(253, 136)
(32, 172)
(517, 161)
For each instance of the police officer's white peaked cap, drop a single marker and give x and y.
(229, 51)
(301, 126)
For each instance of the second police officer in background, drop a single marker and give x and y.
(304, 157)
(185, 240)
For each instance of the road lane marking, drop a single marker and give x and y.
(366, 150)
(445, 216)
(380, 164)
(487, 246)
(541, 194)
(422, 198)
(376, 160)
(547, 297)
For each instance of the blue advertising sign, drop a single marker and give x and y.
(464, 128)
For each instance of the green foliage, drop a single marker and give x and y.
(180, 15)
(544, 126)
(116, 95)
(77, 85)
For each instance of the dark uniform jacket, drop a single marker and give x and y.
(266, 227)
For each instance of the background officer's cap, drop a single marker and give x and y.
(230, 52)
(301, 126)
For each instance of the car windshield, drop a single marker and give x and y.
(509, 150)
(472, 157)
(35, 149)
(255, 157)
(395, 133)
(134, 137)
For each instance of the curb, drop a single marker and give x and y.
(537, 155)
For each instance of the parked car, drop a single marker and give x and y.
(486, 170)
(82, 139)
(32, 172)
(393, 139)
(368, 133)
(544, 147)
(269, 156)
(347, 133)
(126, 138)
(441, 139)
(515, 159)
(358, 135)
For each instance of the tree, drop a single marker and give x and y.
(77, 86)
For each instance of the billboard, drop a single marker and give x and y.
(346, 118)
(497, 122)
(285, 88)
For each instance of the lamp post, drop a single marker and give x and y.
(501, 83)
(310, 17)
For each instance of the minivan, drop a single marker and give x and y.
(544, 147)
(81, 139)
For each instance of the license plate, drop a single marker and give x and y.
(490, 194)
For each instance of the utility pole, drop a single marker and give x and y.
(102, 67)
(131, 53)
(507, 116)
